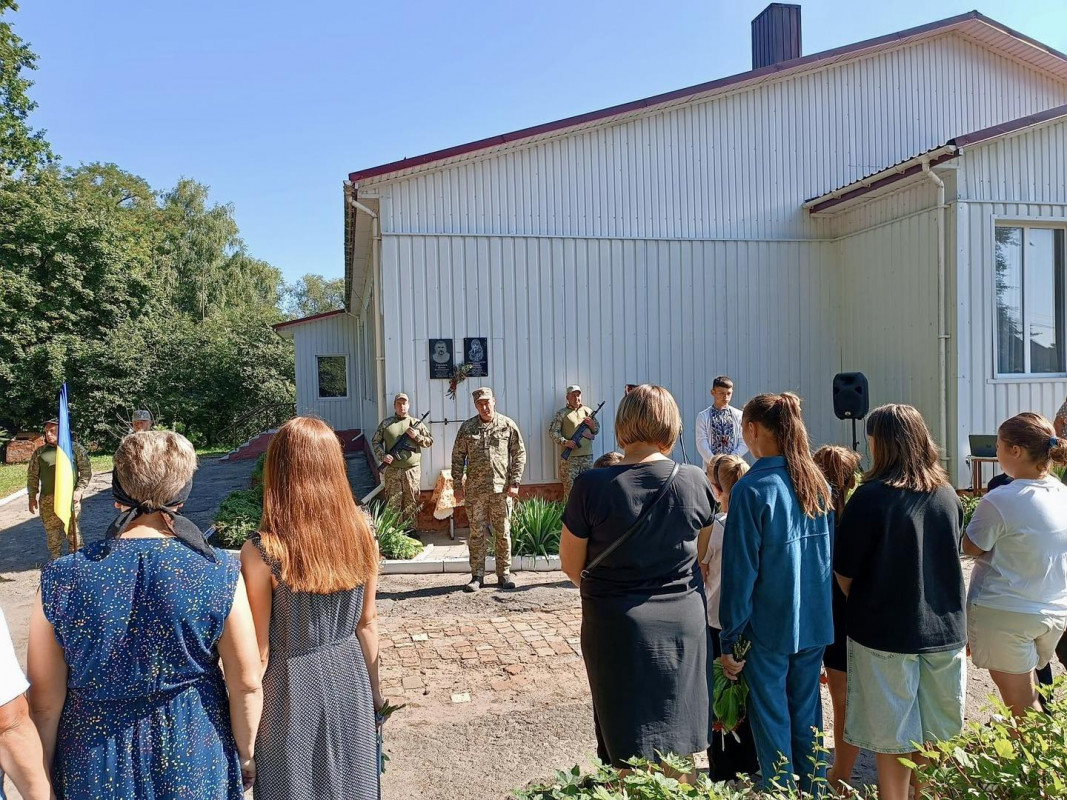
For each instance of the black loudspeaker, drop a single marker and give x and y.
(851, 396)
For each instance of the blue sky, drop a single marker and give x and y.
(273, 104)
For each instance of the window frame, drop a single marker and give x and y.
(1026, 224)
(318, 385)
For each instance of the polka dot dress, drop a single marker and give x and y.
(317, 739)
(146, 715)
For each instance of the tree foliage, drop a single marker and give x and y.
(136, 297)
(314, 294)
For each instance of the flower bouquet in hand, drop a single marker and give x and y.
(380, 716)
(730, 695)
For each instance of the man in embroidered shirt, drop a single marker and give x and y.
(719, 425)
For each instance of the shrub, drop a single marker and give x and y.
(535, 528)
(238, 517)
(969, 505)
(1005, 758)
(389, 528)
(647, 781)
(257, 470)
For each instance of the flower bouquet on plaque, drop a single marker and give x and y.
(730, 696)
(380, 716)
(459, 374)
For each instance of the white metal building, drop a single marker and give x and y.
(825, 213)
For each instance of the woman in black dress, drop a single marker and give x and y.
(643, 608)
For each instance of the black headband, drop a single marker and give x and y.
(184, 529)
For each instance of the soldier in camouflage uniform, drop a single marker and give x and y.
(402, 475)
(563, 426)
(492, 448)
(41, 476)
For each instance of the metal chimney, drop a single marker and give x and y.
(776, 35)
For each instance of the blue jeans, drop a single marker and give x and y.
(784, 706)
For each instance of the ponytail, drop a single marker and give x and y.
(838, 465)
(1036, 435)
(780, 414)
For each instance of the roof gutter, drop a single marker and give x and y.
(876, 181)
(375, 267)
(942, 331)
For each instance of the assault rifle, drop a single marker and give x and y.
(403, 444)
(582, 431)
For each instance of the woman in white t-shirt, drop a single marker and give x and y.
(20, 746)
(1017, 603)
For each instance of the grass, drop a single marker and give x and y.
(13, 476)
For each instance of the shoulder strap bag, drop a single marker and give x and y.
(639, 523)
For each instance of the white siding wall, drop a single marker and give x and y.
(887, 320)
(673, 247)
(736, 166)
(333, 336)
(1023, 178)
(605, 313)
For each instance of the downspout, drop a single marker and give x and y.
(379, 334)
(942, 335)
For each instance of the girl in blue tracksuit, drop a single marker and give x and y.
(776, 574)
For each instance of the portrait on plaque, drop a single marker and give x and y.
(476, 352)
(441, 360)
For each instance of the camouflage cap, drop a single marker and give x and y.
(53, 421)
(574, 387)
(401, 396)
(482, 393)
(141, 415)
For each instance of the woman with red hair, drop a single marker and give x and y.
(311, 574)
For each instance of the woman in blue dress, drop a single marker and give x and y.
(125, 641)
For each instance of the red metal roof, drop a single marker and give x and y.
(1013, 126)
(679, 94)
(289, 323)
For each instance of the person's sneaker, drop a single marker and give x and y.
(476, 583)
(507, 582)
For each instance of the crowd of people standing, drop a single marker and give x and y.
(161, 666)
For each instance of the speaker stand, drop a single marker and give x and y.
(855, 441)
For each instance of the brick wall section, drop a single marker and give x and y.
(18, 451)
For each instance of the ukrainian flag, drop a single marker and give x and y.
(64, 504)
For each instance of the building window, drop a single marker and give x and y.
(333, 376)
(1030, 335)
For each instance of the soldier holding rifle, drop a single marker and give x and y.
(573, 429)
(401, 470)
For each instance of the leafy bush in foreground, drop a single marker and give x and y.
(535, 528)
(238, 517)
(389, 528)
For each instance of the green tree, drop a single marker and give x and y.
(21, 148)
(314, 294)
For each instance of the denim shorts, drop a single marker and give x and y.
(897, 701)
(1010, 641)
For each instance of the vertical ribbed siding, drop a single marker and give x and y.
(605, 312)
(333, 336)
(888, 314)
(776, 35)
(1021, 178)
(736, 166)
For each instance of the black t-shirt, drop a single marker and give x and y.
(661, 558)
(900, 549)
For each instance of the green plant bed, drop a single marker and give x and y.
(535, 528)
(390, 529)
(238, 517)
(645, 781)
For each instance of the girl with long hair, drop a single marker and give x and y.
(728, 754)
(897, 562)
(776, 565)
(1017, 604)
(839, 465)
(311, 574)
